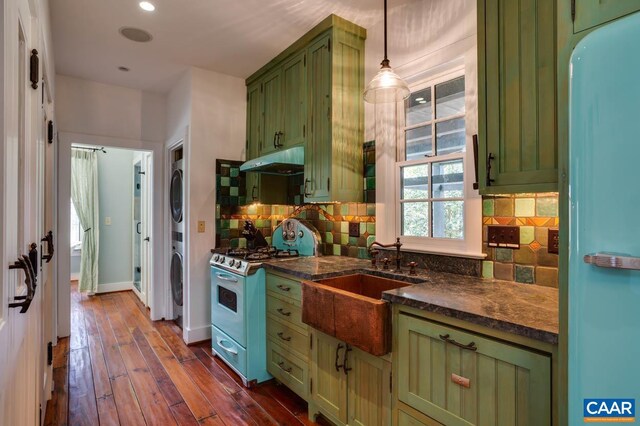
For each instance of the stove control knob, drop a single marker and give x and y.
(216, 258)
(284, 234)
(239, 265)
(231, 262)
(222, 259)
(292, 234)
(300, 234)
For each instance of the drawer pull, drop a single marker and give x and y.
(459, 380)
(338, 366)
(283, 312)
(282, 367)
(283, 337)
(284, 287)
(221, 343)
(471, 346)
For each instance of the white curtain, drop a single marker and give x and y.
(84, 194)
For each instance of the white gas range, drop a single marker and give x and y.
(238, 298)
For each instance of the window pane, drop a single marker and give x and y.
(448, 179)
(415, 182)
(450, 136)
(415, 219)
(448, 219)
(450, 98)
(419, 143)
(418, 107)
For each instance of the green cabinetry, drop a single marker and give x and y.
(456, 377)
(311, 95)
(517, 111)
(591, 13)
(348, 386)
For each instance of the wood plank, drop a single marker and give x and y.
(279, 413)
(129, 412)
(101, 382)
(198, 404)
(286, 397)
(107, 412)
(222, 402)
(130, 313)
(58, 406)
(258, 414)
(207, 359)
(183, 415)
(61, 353)
(171, 333)
(167, 388)
(78, 336)
(212, 421)
(111, 351)
(82, 398)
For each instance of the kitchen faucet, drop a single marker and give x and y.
(397, 245)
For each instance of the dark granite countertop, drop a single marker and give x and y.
(521, 309)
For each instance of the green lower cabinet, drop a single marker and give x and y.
(591, 13)
(460, 378)
(361, 395)
(266, 189)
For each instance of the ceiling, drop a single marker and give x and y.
(231, 37)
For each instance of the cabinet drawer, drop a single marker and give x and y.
(285, 311)
(406, 419)
(287, 368)
(229, 349)
(288, 337)
(284, 286)
(457, 377)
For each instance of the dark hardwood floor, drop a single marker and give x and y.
(120, 368)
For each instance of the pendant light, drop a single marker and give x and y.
(386, 86)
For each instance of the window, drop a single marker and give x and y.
(75, 236)
(431, 162)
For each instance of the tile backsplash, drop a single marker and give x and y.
(532, 263)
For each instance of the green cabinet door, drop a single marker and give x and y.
(591, 13)
(328, 389)
(517, 133)
(271, 110)
(254, 135)
(294, 100)
(369, 390)
(318, 150)
(487, 383)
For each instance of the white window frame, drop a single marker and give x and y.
(471, 243)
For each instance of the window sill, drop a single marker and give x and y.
(442, 252)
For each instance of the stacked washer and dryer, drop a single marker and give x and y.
(176, 204)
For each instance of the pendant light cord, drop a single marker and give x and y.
(385, 61)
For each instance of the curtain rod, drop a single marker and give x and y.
(101, 149)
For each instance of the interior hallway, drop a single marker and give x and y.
(119, 367)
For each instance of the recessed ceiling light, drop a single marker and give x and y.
(123, 69)
(422, 102)
(135, 34)
(145, 5)
(419, 99)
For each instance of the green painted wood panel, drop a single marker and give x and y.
(591, 13)
(508, 385)
(271, 110)
(369, 392)
(329, 389)
(254, 134)
(317, 158)
(517, 95)
(288, 368)
(294, 101)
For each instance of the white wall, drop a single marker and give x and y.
(217, 130)
(91, 113)
(178, 109)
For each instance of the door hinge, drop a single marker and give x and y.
(311, 385)
(329, 45)
(391, 382)
(304, 60)
(34, 69)
(310, 341)
(573, 10)
(304, 131)
(328, 184)
(49, 353)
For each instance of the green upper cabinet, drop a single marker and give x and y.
(294, 101)
(517, 113)
(311, 95)
(461, 378)
(591, 13)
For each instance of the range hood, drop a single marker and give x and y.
(286, 162)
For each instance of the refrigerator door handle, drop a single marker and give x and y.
(615, 261)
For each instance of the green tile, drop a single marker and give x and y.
(363, 227)
(344, 239)
(527, 234)
(268, 240)
(503, 207)
(329, 209)
(525, 274)
(547, 207)
(363, 253)
(525, 207)
(525, 255)
(504, 255)
(233, 224)
(487, 269)
(233, 191)
(344, 227)
(242, 243)
(224, 224)
(235, 172)
(353, 241)
(328, 237)
(225, 181)
(371, 183)
(252, 209)
(336, 249)
(329, 225)
(371, 228)
(370, 240)
(344, 209)
(371, 209)
(488, 207)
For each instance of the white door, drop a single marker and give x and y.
(143, 226)
(20, 338)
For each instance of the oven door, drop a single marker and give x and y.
(227, 304)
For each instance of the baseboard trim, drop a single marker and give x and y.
(198, 334)
(75, 276)
(111, 287)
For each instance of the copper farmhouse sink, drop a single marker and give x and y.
(350, 308)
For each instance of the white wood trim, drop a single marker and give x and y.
(197, 334)
(111, 287)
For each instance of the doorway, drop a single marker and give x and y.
(111, 220)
